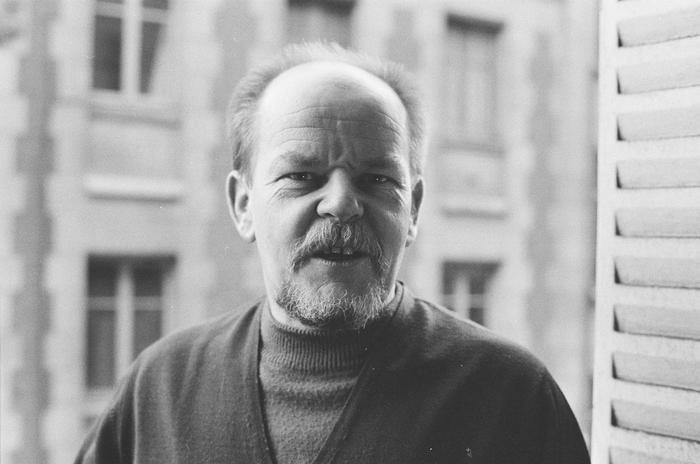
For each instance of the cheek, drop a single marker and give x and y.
(281, 224)
(392, 228)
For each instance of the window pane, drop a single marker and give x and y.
(465, 287)
(102, 278)
(100, 348)
(470, 94)
(338, 26)
(151, 33)
(320, 20)
(454, 87)
(160, 4)
(148, 280)
(147, 328)
(107, 50)
(476, 314)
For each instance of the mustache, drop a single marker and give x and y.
(325, 236)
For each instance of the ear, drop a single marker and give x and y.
(416, 201)
(238, 197)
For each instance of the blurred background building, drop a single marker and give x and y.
(114, 228)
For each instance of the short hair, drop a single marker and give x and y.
(242, 108)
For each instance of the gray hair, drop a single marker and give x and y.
(240, 118)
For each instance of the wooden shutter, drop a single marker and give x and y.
(647, 375)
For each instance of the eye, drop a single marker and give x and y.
(379, 179)
(301, 176)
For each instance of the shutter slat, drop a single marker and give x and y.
(660, 124)
(659, 102)
(682, 172)
(659, 28)
(656, 446)
(656, 360)
(663, 347)
(663, 75)
(677, 50)
(658, 222)
(659, 420)
(674, 399)
(663, 198)
(658, 320)
(674, 251)
(624, 456)
(670, 149)
(656, 370)
(658, 272)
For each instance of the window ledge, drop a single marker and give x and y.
(133, 188)
(458, 205)
(114, 104)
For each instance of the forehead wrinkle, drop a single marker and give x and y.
(330, 130)
(335, 124)
(393, 125)
(331, 108)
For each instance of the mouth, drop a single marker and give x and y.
(340, 255)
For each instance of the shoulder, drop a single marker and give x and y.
(439, 337)
(197, 347)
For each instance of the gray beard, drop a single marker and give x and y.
(336, 310)
(333, 311)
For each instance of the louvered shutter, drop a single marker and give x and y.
(647, 374)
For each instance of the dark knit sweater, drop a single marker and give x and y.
(433, 389)
(306, 376)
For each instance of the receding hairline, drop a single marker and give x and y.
(339, 71)
(348, 81)
(243, 106)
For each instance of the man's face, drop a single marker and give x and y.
(330, 199)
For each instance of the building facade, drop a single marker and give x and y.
(115, 229)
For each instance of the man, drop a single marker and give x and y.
(339, 363)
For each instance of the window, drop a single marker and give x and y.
(465, 288)
(125, 300)
(470, 83)
(328, 20)
(130, 53)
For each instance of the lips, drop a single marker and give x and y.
(340, 245)
(339, 254)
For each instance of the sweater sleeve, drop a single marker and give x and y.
(563, 442)
(110, 439)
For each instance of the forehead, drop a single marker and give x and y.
(327, 84)
(323, 103)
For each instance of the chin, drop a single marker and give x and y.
(334, 305)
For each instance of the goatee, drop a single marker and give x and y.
(338, 309)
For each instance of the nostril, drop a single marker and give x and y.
(342, 207)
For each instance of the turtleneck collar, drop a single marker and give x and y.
(317, 350)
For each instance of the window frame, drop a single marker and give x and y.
(125, 307)
(133, 15)
(493, 32)
(462, 275)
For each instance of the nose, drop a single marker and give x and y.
(340, 199)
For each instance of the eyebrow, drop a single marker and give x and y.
(384, 162)
(299, 160)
